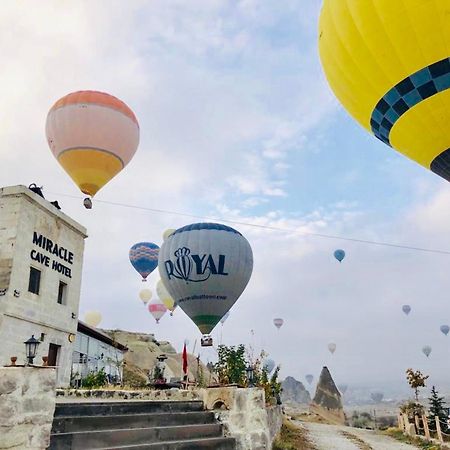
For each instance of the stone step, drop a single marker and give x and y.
(125, 407)
(132, 436)
(70, 424)
(219, 443)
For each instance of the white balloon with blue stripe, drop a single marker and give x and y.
(205, 267)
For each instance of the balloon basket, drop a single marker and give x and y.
(87, 202)
(206, 341)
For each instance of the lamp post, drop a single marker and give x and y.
(31, 348)
(249, 371)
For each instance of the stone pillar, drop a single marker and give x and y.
(27, 405)
(244, 415)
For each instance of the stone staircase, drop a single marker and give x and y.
(137, 425)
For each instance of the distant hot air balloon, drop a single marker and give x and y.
(145, 295)
(167, 233)
(165, 297)
(156, 308)
(278, 322)
(445, 329)
(388, 64)
(205, 267)
(343, 388)
(225, 317)
(426, 350)
(332, 347)
(269, 365)
(406, 309)
(339, 255)
(93, 135)
(144, 258)
(93, 318)
(309, 378)
(377, 397)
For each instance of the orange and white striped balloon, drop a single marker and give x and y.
(93, 135)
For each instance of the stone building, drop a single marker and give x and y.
(41, 257)
(95, 351)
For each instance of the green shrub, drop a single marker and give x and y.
(94, 380)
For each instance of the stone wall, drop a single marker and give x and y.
(73, 395)
(244, 415)
(27, 404)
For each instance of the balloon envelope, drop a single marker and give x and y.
(205, 267)
(93, 318)
(225, 317)
(145, 295)
(157, 308)
(445, 329)
(332, 348)
(278, 322)
(339, 255)
(269, 365)
(309, 378)
(426, 350)
(406, 309)
(167, 233)
(165, 297)
(93, 135)
(388, 71)
(144, 258)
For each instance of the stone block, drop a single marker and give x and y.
(15, 437)
(7, 385)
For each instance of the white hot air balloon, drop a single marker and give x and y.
(332, 347)
(93, 318)
(269, 365)
(205, 267)
(278, 322)
(145, 295)
(426, 350)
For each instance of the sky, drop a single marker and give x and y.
(237, 123)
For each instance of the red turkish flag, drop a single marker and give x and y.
(185, 360)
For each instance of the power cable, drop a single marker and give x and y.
(265, 227)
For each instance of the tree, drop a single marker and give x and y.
(231, 365)
(436, 409)
(416, 380)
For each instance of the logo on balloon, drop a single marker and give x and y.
(194, 268)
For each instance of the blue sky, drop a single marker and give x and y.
(237, 121)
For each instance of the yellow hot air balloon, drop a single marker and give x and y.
(388, 63)
(167, 233)
(93, 135)
(145, 295)
(93, 318)
(165, 297)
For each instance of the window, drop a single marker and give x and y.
(34, 281)
(62, 293)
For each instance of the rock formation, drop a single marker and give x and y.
(327, 402)
(294, 392)
(143, 350)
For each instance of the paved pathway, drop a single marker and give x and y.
(330, 437)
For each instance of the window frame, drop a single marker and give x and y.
(32, 268)
(63, 297)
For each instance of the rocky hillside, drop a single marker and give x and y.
(294, 392)
(143, 349)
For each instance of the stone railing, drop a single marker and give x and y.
(27, 404)
(244, 415)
